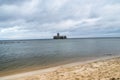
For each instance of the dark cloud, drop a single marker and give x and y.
(10, 2)
(43, 18)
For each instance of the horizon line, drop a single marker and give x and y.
(67, 38)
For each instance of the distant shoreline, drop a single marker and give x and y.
(67, 38)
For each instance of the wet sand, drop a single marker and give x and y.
(100, 69)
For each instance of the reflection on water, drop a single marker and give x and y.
(22, 53)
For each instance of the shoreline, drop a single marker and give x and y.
(62, 63)
(35, 68)
(52, 69)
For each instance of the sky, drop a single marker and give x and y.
(40, 19)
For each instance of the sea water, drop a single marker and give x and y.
(17, 54)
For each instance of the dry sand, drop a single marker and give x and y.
(107, 69)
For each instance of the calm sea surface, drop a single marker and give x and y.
(15, 54)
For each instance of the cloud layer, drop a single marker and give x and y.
(24, 19)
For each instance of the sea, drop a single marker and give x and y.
(18, 54)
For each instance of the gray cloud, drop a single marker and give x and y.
(13, 2)
(43, 18)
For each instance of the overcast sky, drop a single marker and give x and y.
(32, 19)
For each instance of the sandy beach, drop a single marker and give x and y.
(101, 69)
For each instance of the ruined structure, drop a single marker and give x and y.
(59, 37)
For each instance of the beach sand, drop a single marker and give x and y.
(103, 69)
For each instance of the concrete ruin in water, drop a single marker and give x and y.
(59, 37)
